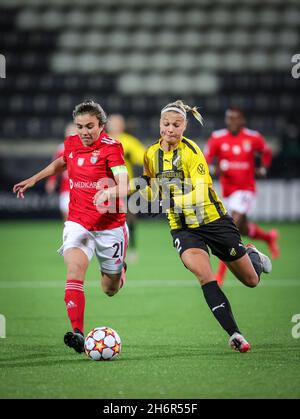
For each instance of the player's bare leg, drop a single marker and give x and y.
(250, 266)
(112, 283)
(197, 261)
(240, 221)
(77, 263)
(243, 270)
(253, 231)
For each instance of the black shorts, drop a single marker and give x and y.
(221, 236)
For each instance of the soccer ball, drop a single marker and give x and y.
(102, 344)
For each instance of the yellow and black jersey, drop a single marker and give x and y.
(133, 152)
(184, 174)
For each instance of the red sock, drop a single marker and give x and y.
(258, 233)
(222, 268)
(75, 302)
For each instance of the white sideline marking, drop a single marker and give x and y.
(2, 326)
(146, 283)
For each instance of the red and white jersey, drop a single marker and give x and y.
(86, 166)
(235, 156)
(64, 185)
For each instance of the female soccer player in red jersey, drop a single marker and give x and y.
(98, 177)
(235, 149)
(199, 222)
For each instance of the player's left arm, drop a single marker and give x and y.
(211, 154)
(51, 181)
(54, 168)
(199, 178)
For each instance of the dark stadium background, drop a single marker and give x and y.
(136, 56)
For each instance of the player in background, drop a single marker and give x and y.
(134, 153)
(98, 177)
(197, 217)
(63, 180)
(235, 151)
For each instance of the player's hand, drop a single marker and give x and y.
(21, 187)
(101, 200)
(163, 205)
(260, 172)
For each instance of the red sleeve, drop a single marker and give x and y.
(211, 150)
(264, 149)
(115, 155)
(58, 153)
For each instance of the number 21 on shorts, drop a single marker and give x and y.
(119, 250)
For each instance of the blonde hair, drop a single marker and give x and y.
(182, 108)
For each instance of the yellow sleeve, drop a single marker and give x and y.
(147, 170)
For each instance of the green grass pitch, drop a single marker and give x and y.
(172, 345)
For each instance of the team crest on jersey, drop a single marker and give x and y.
(247, 145)
(225, 147)
(236, 149)
(80, 161)
(232, 252)
(95, 156)
(177, 162)
(201, 169)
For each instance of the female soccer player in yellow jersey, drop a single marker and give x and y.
(197, 218)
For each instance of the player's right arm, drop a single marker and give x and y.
(54, 168)
(211, 155)
(52, 180)
(265, 156)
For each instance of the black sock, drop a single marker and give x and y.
(255, 259)
(220, 307)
